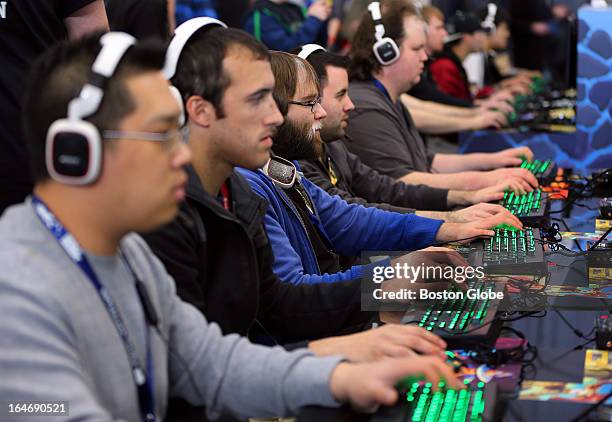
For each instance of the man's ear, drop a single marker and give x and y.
(200, 111)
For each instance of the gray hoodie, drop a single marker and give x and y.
(57, 342)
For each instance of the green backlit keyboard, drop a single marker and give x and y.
(531, 208)
(509, 252)
(544, 171)
(418, 403)
(460, 319)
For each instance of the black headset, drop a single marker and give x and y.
(73, 149)
(385, 49)
(182, 35)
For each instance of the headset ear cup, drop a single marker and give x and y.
(179, 99)
(73, 152)
(489, 22)
(386, 51)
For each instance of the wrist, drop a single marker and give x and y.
(445, 232)
(459, 197)
(338, 382)
(434, 215)
(487, 161)
(474, 180)
(324, 347)
(475, 122)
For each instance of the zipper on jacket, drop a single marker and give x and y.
(234, 219)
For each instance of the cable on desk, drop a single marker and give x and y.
(562, 220)
(580, 192)
(587, 207)
(566, 252)
(492, 356)
(496, 319)
(576, 331)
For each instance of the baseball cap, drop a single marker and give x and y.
(462, 23)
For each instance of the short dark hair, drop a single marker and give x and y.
(58, 77)
(320, 59)
(363, 62)
(286, 70)
(200, 68)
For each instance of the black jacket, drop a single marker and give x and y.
(361, 184)
(222, 264)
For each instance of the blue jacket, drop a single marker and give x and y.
(189, 9)
(348, 230)
(284, 27)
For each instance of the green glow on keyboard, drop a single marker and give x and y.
(458, 313)
(510, 245)
(522, 204)
(537, 167)
(446, 405)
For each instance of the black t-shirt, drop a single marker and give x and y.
(27, 29)
(140, 18)
(328, 261)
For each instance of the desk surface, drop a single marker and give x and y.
(556, 342)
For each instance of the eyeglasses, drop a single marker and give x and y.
(170, 138)
(312, 104)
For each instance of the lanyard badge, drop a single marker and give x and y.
(142, 379)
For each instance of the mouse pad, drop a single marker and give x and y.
(566, 391)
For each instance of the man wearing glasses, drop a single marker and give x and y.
(91, 322)
(308, 228)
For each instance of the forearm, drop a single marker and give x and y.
(459, 181)
(256, 381)
(459, 197)
(455, 163)
(88, 19)
(413, 103)
(436, 215)
(333, 29)
(434, 123)
(171, 15)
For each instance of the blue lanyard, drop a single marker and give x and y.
(378, 84)
(143, 381)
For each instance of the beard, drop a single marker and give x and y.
(331, 133)
(297, 141)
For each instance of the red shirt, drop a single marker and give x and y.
(449, 78)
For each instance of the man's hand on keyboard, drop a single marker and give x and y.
(467, 232)
(390, 340)
(369, 385)
(478, 212)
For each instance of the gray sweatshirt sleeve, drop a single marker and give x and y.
(231, 375)
(54, 346)
(39, 359)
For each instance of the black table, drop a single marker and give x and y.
(558, 359)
